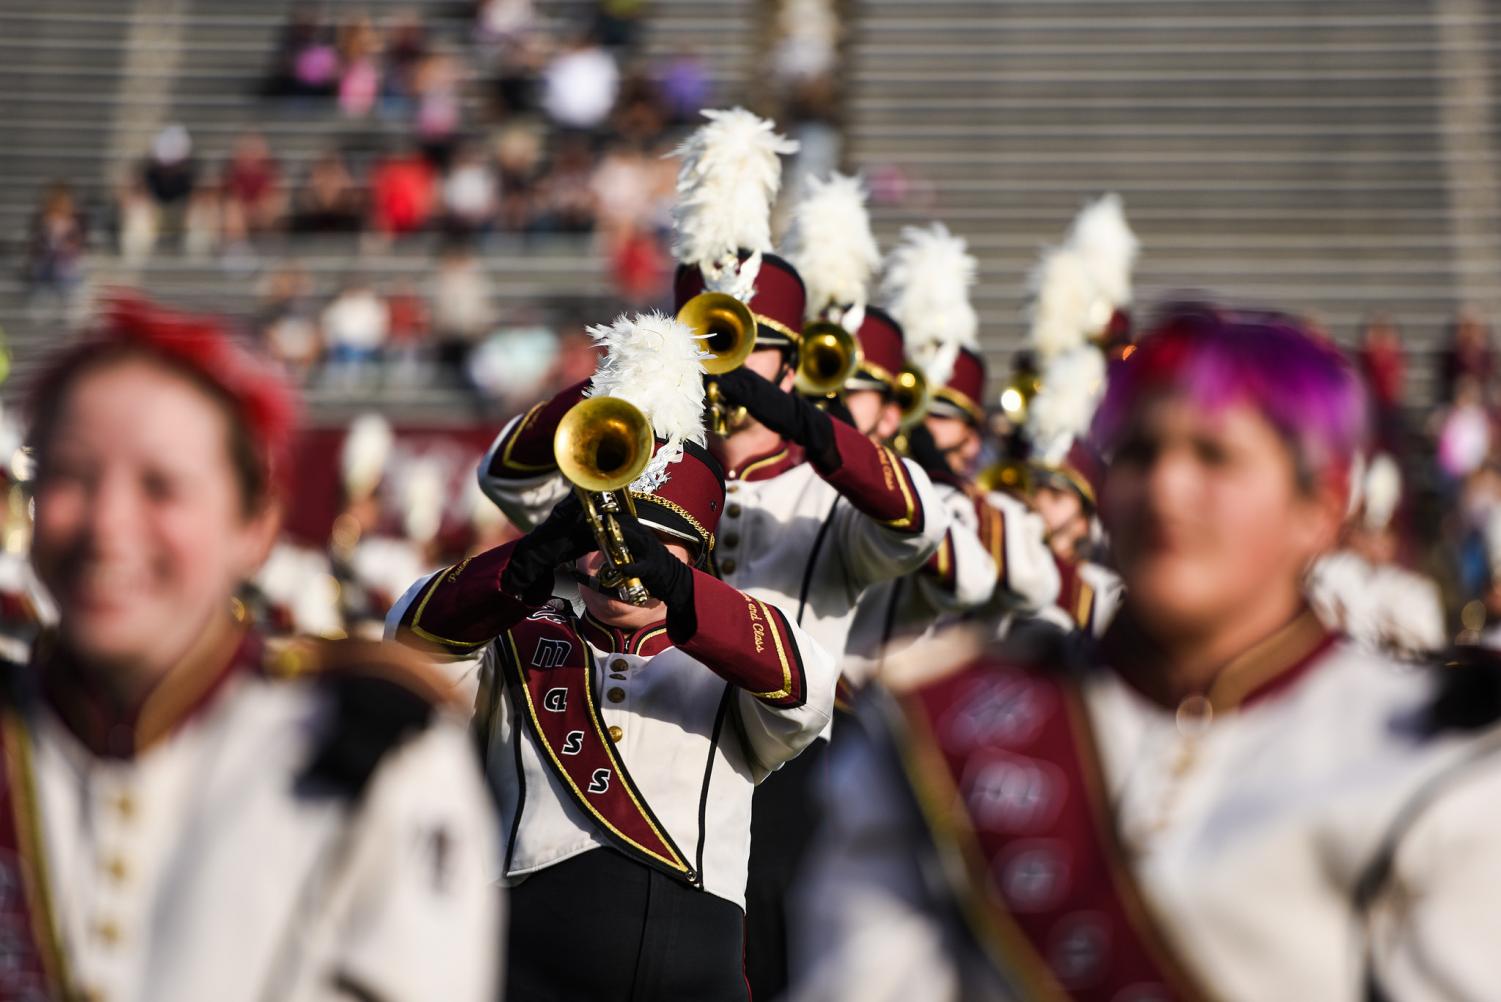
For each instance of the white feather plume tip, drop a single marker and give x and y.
(728, 179)
(1065, 303)
(362, 461)
(926, 289)
(1071, 386)
(655, 363)
(831, 245)
(1104, 240)
(1381, 491)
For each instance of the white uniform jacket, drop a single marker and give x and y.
(1383, 606)
(695, 727)
(197, 852)
(1311, 833)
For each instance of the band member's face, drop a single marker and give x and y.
(867, 408)
(607, 608)
(765, 362)
(959, 442)
(1207, 519)
(1063, 514)
(141, 533)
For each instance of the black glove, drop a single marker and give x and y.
(664, 575)
(562, 538)
(787, 414)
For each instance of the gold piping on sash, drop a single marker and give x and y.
(1084, 607)
(29, 845)
(1185, 984)
(609, 747)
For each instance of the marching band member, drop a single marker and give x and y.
(189, 813)
(815, 512)
(624, 742)
(1363, 591)
(1222, 799)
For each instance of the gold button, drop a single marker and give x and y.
(733, 510)
(619, 664)
(728, 566)
(616, 694)
(107, 931)
(125, 806)
(732, 540)
(616, 734)
(117, 869)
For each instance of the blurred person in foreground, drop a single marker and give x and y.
(191, 813)
(1220, 798)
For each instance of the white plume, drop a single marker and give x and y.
(831, 245)
(1103, 238)
(926, 289)
(728, 179)
(1381, 491)
(1071, 386)
(656, 363)
(1064, 300)
(362, 461)
(424, 497)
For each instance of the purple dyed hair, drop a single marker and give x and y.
(1297, 381)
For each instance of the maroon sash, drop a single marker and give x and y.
(31, 958)
(1004, 767)
(549, 667)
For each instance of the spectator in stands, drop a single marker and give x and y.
(410, 322)
(306, 63)
(514, 86)
(579, 85)
(471, 194)
(640, 116)
(518, 158)
(1383, 366)
(287, 320)
(355, 327)
(170, 172)
(406, 48)
(329, 201)
(565, 198)
(55, 243)
(685, 88)
(1468, 355)
(617, 23)
(254, 200)
(359, 66)
(462, 310)
(501, 21)
(402, 194)
(437, 85)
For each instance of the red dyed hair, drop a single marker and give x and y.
(261, 405)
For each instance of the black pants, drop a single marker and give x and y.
(603, 928)
(784, 817)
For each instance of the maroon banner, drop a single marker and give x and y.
(1005, 771)
(551, 670)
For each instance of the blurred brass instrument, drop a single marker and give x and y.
(602, 444)
(1017, 396)
(729, 329)
(827, 357)
(1009, 476)
(912, 395)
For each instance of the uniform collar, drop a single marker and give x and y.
(1267, 669)
(185, 692)
(648, 641)
(769, 464)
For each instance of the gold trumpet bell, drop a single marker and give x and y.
(912, 396)
(828, 356)
(602, 444)
(727, 326)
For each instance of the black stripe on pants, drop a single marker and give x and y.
(604, 928)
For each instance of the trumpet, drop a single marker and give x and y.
(1009, 476)
(729, 330)
(827, 357)
(912, 395)
(601, 445)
